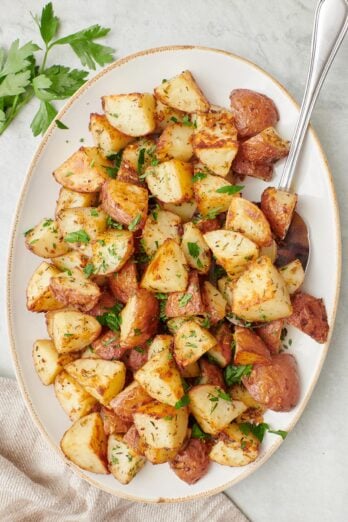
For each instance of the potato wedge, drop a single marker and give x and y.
(215, 140)
(175, 142)
(240, 393)
(47, 361)
(84, 443)
(309, 315)
(159, 226)
(101, 379)
(234, 448)
(161, 379)
(71, 199)
(214, 302)
(260, 294)
(71, 261)
(74, 289)
(210, 193)
(242, 167)
(129, 400)
(245, 217)
(71, 330)
(160, 343)
(73, 398)
(191, 463)
(232, 250)
(191, 341)
(182, 93)
(124, 462)
(249, 348)
(139, 318)
(265, 147)
(252, 111)
(39, 294)
(293, 275)
(213, 408)
(184, 210)
(124, 283)
(278, 207)
(221, 353)
(45, 240)
(106, 136)
(162, 426)
(125, 202)
(84, 171)
(139, 155)
(170, 181)
(111, 251)
(188, 303)
(132, 114)
(211, 374)
(271, 334)
(165, 115)
(195, 249)
(167, 271)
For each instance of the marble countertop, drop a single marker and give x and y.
(306, 480)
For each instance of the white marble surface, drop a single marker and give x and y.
(306, 480)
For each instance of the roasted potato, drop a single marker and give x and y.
(221, 353)
(240, 393)
(124, 462)
(213, 408)
(165, 115)
(245, 217)
(161, 426)
(242, 167)
(167, 271)
(139, 318)
(293, 275)
(101, 379)
(265, 147)
(191, 463)
(112, 422)
(278, 207)
(191, 370)
(175, 142)
(40, 297)
(275, 385)
(210, 374)
(211, 193)
(159, 455)
(309, 316)
(234, 448)
(125, 202)
(188, 303)
(106, 301)
(84, 171)
(191, 341)
(45, 240)
(132, 114)
(108, 346)
(47, 361)
(214, 302)
(252, 112)
(84, 443)
(232, 250)
(71, 199)
(124, 283)
(133, 440)
(260, 294)
(70, 261)
(74, 289)
(71, 330)
(215, 140)
(129, 400)
(161, 378)
(249, 348)
(111, 251)
(170, 181)
(73, 398)
(184, 210)
(270, 251)
(225, 285)
(182, 93)
(160, 343)
(106, 136)
(195, 249)
(159, 226)
(271, 334)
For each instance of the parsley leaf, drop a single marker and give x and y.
(48, 24)
(80, 236)
(43, 118)
(134, 223)
(198, 176)
(61, 125)
(14, 84)
(17, 58)
(197, 433)
(223, 395)
(259, 430)
(184, 299)
(184, 401)
(113, 224)
(117, 158)
(230, 189)
(111, 318)
(233, 374)
(213, 212)
(141, 161)
(194, 249)
(89, 269)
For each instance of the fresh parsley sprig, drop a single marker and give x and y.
(22, 78)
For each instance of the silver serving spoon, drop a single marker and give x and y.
(330, 27)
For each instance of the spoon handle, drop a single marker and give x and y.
(330, 27)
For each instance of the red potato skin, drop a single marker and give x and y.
(134, 359)
(211, 374)
(252, 112)
(129, 175)
(249, 347)
(192, 462)
(224, 337)
(271, 333)
(243, 167)
(132, 438)
(108, 347)
(106, 301)
(264, 148)
(309, 315)
(113, 208)
(279, 216)
(128, 402)
(70, 298)
(208, 225)
(112, 422)
(124, 284)
(193, 307)
(276, 385)
(146, 321)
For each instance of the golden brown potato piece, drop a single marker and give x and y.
(196, 250)
(278, 207)
(125, 202)
(84, 171)
(192, 461)
(73, 398)
(293, 275)
(188, 303)
(132, 114)
(210, 374)
(124, 283)
(45, 240)
(133, 440)
(252, 111)
(242, 167)
(112, 422)
(184, 210)
(47, 361)
(309, 316)
(159, 226)
(71, 330)
(170, 181)
(182, 93)
(211, 193)
(275, 385)
(249, 348)
(271, 334)
(234, 448)
(175, 142)
(108, 347)
(191, 342)
(84, 443)
(161, 342)
(265, 147)
(222, 351)
(240, 393)
(270, 251)
(139, 318)
(70, 261)
(245, 217)
(40, 297)
(71, 199)
(111, 251)
(74, 289)
(105, 136)
(214, 302)
(129, 400)
(165, 115)
(124, 462)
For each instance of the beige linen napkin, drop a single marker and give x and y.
(36, 485)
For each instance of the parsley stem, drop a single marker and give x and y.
(43, 65)
(14, 111)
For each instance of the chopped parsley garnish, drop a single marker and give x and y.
(234, 374)
(259, 430)
(47, 222)
(113, 171)
(89, 269)
(139, 349)
(197, 433)
(223, 395)
(194, 249)
(134, 223)
(230, 189)
(213, 212)
(184, 299)
(27, 232)
(184, 401)
(111, 223)
(198, 176)
(162, 304)
(206, 323)
(80, 236)
(111, 318)
(141, 161)
(168, 417)
(94, 212)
